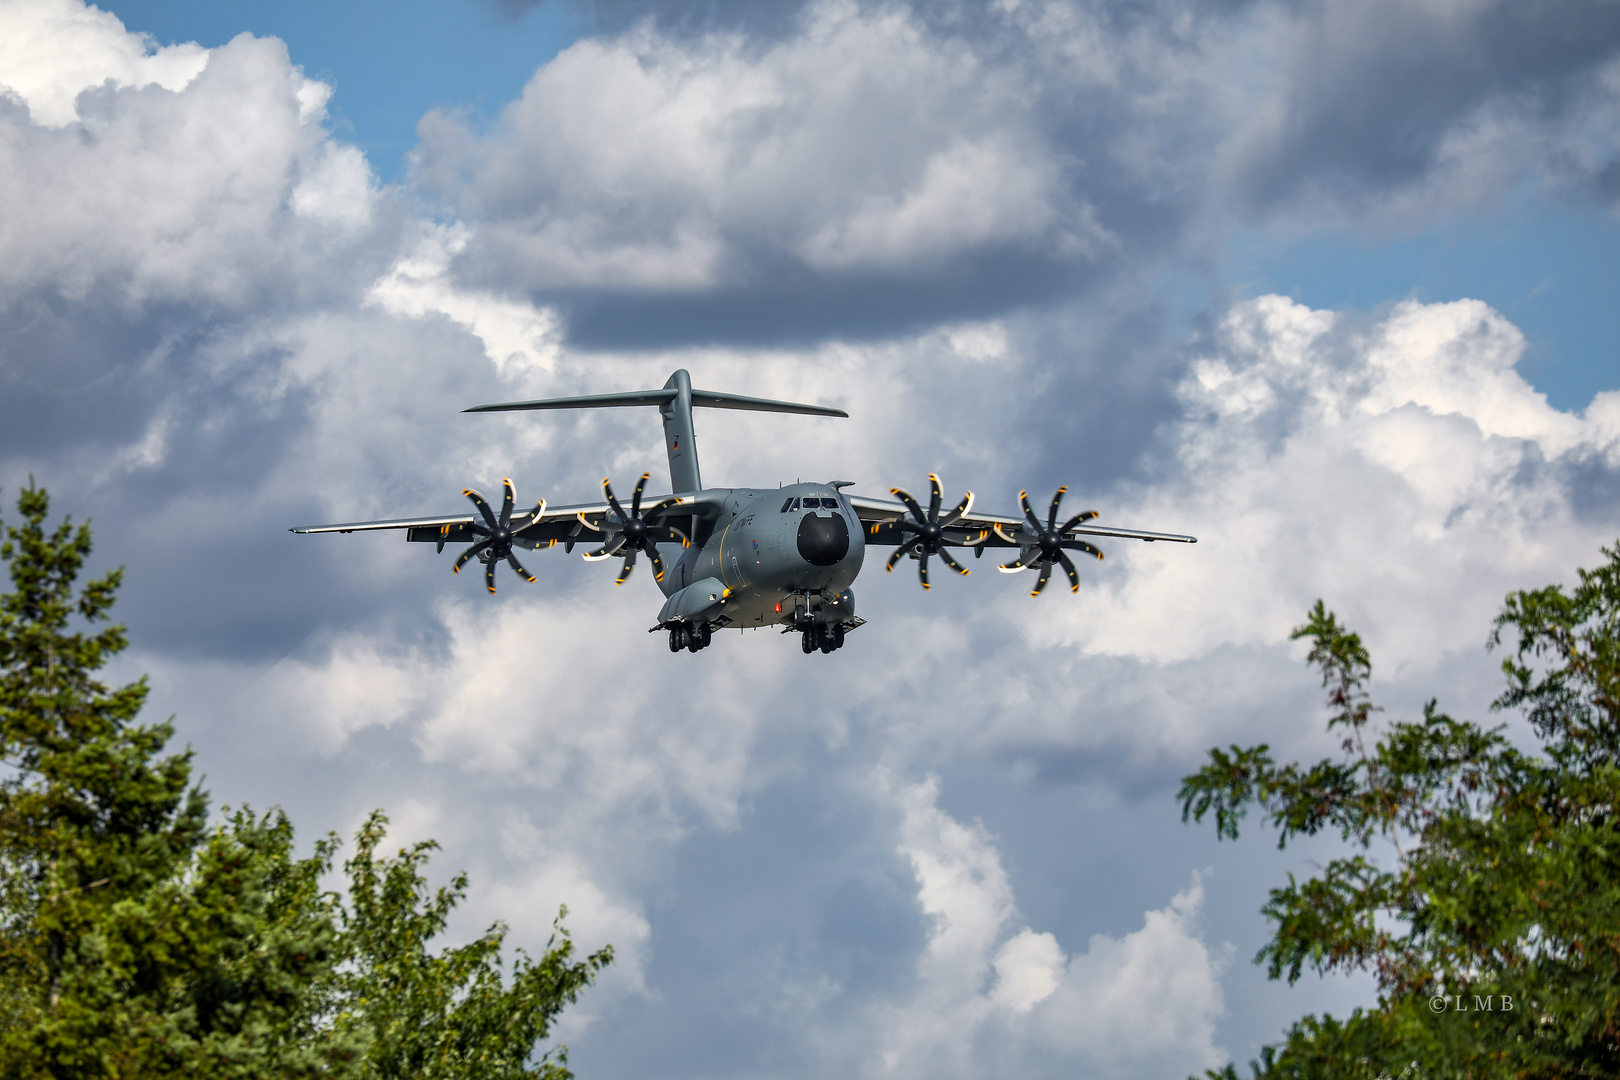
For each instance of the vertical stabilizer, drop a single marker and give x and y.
(679, 439)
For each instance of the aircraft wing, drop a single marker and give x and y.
(881, 516)
(537, 527)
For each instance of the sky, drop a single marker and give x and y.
(1328, 285)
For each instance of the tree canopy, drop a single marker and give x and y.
(1489, 911)
(138, 940)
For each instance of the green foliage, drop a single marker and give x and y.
(1501, 879)
(135, 941)
(450, 1015)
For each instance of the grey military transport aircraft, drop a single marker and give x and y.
(750, 557)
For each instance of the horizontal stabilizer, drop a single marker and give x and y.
(708, 398)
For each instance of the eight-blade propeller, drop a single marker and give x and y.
(930, 529)
(632, 533)
(1044, 544)
(497, 536)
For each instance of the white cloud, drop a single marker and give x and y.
(1401, 470)
(52, 50)
(219, 187)
(517, 335)
(864, 141)
(991, 994)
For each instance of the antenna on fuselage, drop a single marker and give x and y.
(675, 402)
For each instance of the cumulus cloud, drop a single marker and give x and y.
(1401, 468)
(53, 50)
(220, 188)
(663, 184)
(863, 142)
(990, 991)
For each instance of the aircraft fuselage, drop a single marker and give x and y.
(777, 554)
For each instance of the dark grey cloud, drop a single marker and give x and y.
(1374, 98)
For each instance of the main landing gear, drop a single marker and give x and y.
(822, 636)
(690, 636)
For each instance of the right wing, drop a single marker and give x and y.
(537, 527)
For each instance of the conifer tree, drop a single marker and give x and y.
(138, 941)
(135, 940)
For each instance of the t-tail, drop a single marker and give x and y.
(675, 402)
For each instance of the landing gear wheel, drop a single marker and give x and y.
(695, 638)
(838, 637)
(808, 642)
(677, 637)
(706, 633)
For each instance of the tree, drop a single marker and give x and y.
(452, 1015)
(137, 941)
(1492, 924)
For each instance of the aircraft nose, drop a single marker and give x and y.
(823, 541)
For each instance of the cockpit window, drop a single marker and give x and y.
(787, 506)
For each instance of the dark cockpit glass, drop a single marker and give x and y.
(788, 505)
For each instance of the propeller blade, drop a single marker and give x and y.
(1081, 545)
(1034, 522)
(922, 567)
(1040, 583)
(975, 541)
(483, 507)
(1078, 519)
(1023, 562)
(507, 500)
(911, 504)
(598, 555)
(900, 552)
(935, 496)
(616, 545)
(635, 497)
(489, 576)
(651, 549)
(522, 573)
(960, 512)
(1051, 518)
(672, 500)
(467, 556)
(607, 489)
(629, 565)
(952, 563)
(1068, 568)
(534, 515)
(686, 541)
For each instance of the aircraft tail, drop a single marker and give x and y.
(675, 402)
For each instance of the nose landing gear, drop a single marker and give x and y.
(690, 636)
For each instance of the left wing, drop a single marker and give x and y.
(881, 518)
